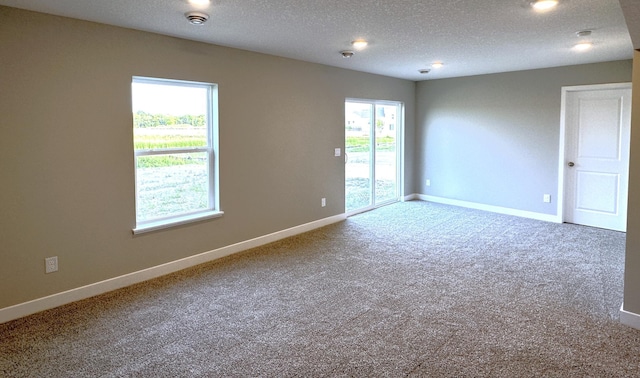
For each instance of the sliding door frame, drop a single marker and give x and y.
(399, 141)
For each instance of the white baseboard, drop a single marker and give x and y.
(59, 299)
(410, 197)
(629, 319)
(490, 208)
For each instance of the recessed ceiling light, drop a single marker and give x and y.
(544, 5)
(583, 46)
(346, 53)
(200, 2)
(583, 33)
(359, 44)
(437, 65)
(424, 71)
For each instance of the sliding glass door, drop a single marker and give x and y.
(372, 154)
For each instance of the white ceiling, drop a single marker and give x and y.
(471, 37)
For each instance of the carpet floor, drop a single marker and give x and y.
(412, 289)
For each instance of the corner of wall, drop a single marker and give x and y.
(629, 319)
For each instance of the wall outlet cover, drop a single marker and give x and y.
(51, 264)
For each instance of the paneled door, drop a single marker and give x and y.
(598, 126)
(372, 154)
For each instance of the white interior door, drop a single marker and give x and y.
(598, 126)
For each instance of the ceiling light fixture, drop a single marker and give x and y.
(583, 33)
(359, 44)
(437, 65)
(584, 46)
(424, 71)
(544, 5)
(200, 2)
(196, 18)
(346, 53)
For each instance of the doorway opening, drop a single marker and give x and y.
(373, 154)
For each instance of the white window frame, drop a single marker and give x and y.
(213, 209)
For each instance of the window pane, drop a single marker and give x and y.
(358, 119)
(171, 184)
(386, 154)
(169, 116)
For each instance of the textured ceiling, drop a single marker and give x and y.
(471, 37)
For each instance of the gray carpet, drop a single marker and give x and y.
(411, 289)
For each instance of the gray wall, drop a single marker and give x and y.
(493, 139)
(632, 263)
(66, 149)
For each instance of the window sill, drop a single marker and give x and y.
(177, 221)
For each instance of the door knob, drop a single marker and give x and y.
(571, 164)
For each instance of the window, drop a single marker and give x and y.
(175, 126)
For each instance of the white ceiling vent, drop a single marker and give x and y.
(197, 18)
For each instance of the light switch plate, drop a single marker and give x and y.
(337, 152)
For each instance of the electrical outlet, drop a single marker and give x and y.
(51, 264)
(428, 182)
(323, 202)
(546, 198)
